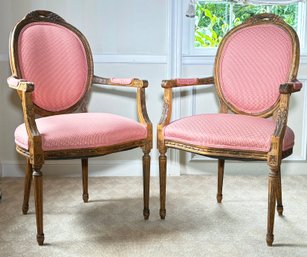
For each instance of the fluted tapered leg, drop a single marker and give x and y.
(272, 191)
(146, 183)
(27, 187)
(162, 174)
(85, 195)
(220, 177)
(38, 195)
(280, 207)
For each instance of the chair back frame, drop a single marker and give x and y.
(256, 20)
(49, 17)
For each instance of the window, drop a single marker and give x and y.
(214, 19)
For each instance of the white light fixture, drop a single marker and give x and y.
(191, 9)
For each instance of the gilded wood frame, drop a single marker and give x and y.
(279, 111)
(36, 155)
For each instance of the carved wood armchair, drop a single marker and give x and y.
(254, 74)
(52, 71)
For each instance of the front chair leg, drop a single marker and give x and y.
(38, 195)
(146, 183)
(162, 175)
(85, 195)
(272, 191)
(27, 187)
(220, 177)
(280, 207)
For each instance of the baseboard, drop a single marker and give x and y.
(233, 168)
(73, 168)
(101, 168)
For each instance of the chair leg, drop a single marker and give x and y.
(220, 178)
(146, 183)
(85, 195)
(280, 207)
(162, 175)
(27, 187)
(272, 192)
(38, 195)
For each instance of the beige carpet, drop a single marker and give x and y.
(111, 224)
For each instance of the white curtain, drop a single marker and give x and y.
(191, 8)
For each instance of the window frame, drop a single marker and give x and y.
(189, 51)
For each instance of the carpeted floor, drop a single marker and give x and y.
(111, 224)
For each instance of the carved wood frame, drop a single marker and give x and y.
(279, 111)
(35, 153)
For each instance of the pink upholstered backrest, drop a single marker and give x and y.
(253, 62)
(54, 58)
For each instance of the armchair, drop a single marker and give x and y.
(253, 65)
(52, 72)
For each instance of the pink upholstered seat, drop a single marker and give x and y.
(226, 131)
(83, 130)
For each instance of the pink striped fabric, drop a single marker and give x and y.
(54, 58)
(297, 85)
(190, 81)
(126, 81)
(83, 130)
(226, 131)
(254, 62)
(13, 81)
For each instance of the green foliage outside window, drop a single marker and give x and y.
(214, 20)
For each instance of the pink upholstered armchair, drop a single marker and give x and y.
(254, 75)
(52, 71)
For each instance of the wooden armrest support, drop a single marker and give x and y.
(25, 89)
(281, 116)
(140, 85)
(184, 82)
(143, 116)
(126, 82)
(20, 84)
(290, 87)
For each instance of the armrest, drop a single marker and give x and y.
(184, 82)
(165, 118)
(290, 87)
(167, 99)
(140, 85)
(20, 84)
(143, 116)
(281, 118)
(25, 90)
(127, 82)
(281, 114)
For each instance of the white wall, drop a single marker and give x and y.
(134, 38)
(128, 39)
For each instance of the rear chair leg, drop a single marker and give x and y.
(38, 195)
(27, 187)
(162, 175)
(220, 177)
(85, 195)
(146, 183)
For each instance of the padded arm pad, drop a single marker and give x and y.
(130, 82)
(184, 82)
(290, 87)
(20, 84)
